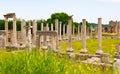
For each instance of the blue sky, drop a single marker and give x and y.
(81, 9)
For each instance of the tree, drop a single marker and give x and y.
(18, 23)
(2, 24)
(39, 23)
(63, 17)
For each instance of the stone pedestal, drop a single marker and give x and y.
(83, 50)
(99, 50)
(117, 66)
(105, 58)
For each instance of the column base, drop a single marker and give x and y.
(57, 50)
(70, 50)
(118, 37)
(84, 51)
(14, 45)
(44, 47)
(60, 39)
(99, 52)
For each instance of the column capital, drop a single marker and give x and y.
(83, 20)
(23, 20)
(34, 20)
(14, 18)
(70, 17)
(6, 18)
(100, 18)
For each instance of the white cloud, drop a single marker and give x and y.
(109, 0)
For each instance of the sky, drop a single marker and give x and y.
(90, 10)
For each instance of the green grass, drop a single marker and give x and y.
(108, 45)
(48, 63)
(109, 34)
(45, 63)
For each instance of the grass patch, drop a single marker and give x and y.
(108, 45)
(45, 63)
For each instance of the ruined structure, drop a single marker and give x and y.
(113, 27)
(13, 37)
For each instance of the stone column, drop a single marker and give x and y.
(78, 32)
(41, 37)
(56, 29)
(73, 31)
(63, 30)
(29, 37)
(6, 29)
(69, 35)
(47, 27)
(14, 34)
(67, 31)
(91, 31)
(83, 30)
(41, 26)
(34, 32)
(23, 33)
(52, 39)
(51, 27)
(99, 50)
(60, 31)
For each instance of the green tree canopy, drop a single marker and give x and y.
(39, 23)
(63, 17)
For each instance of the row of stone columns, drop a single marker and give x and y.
(83, 30)
(69, 32)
